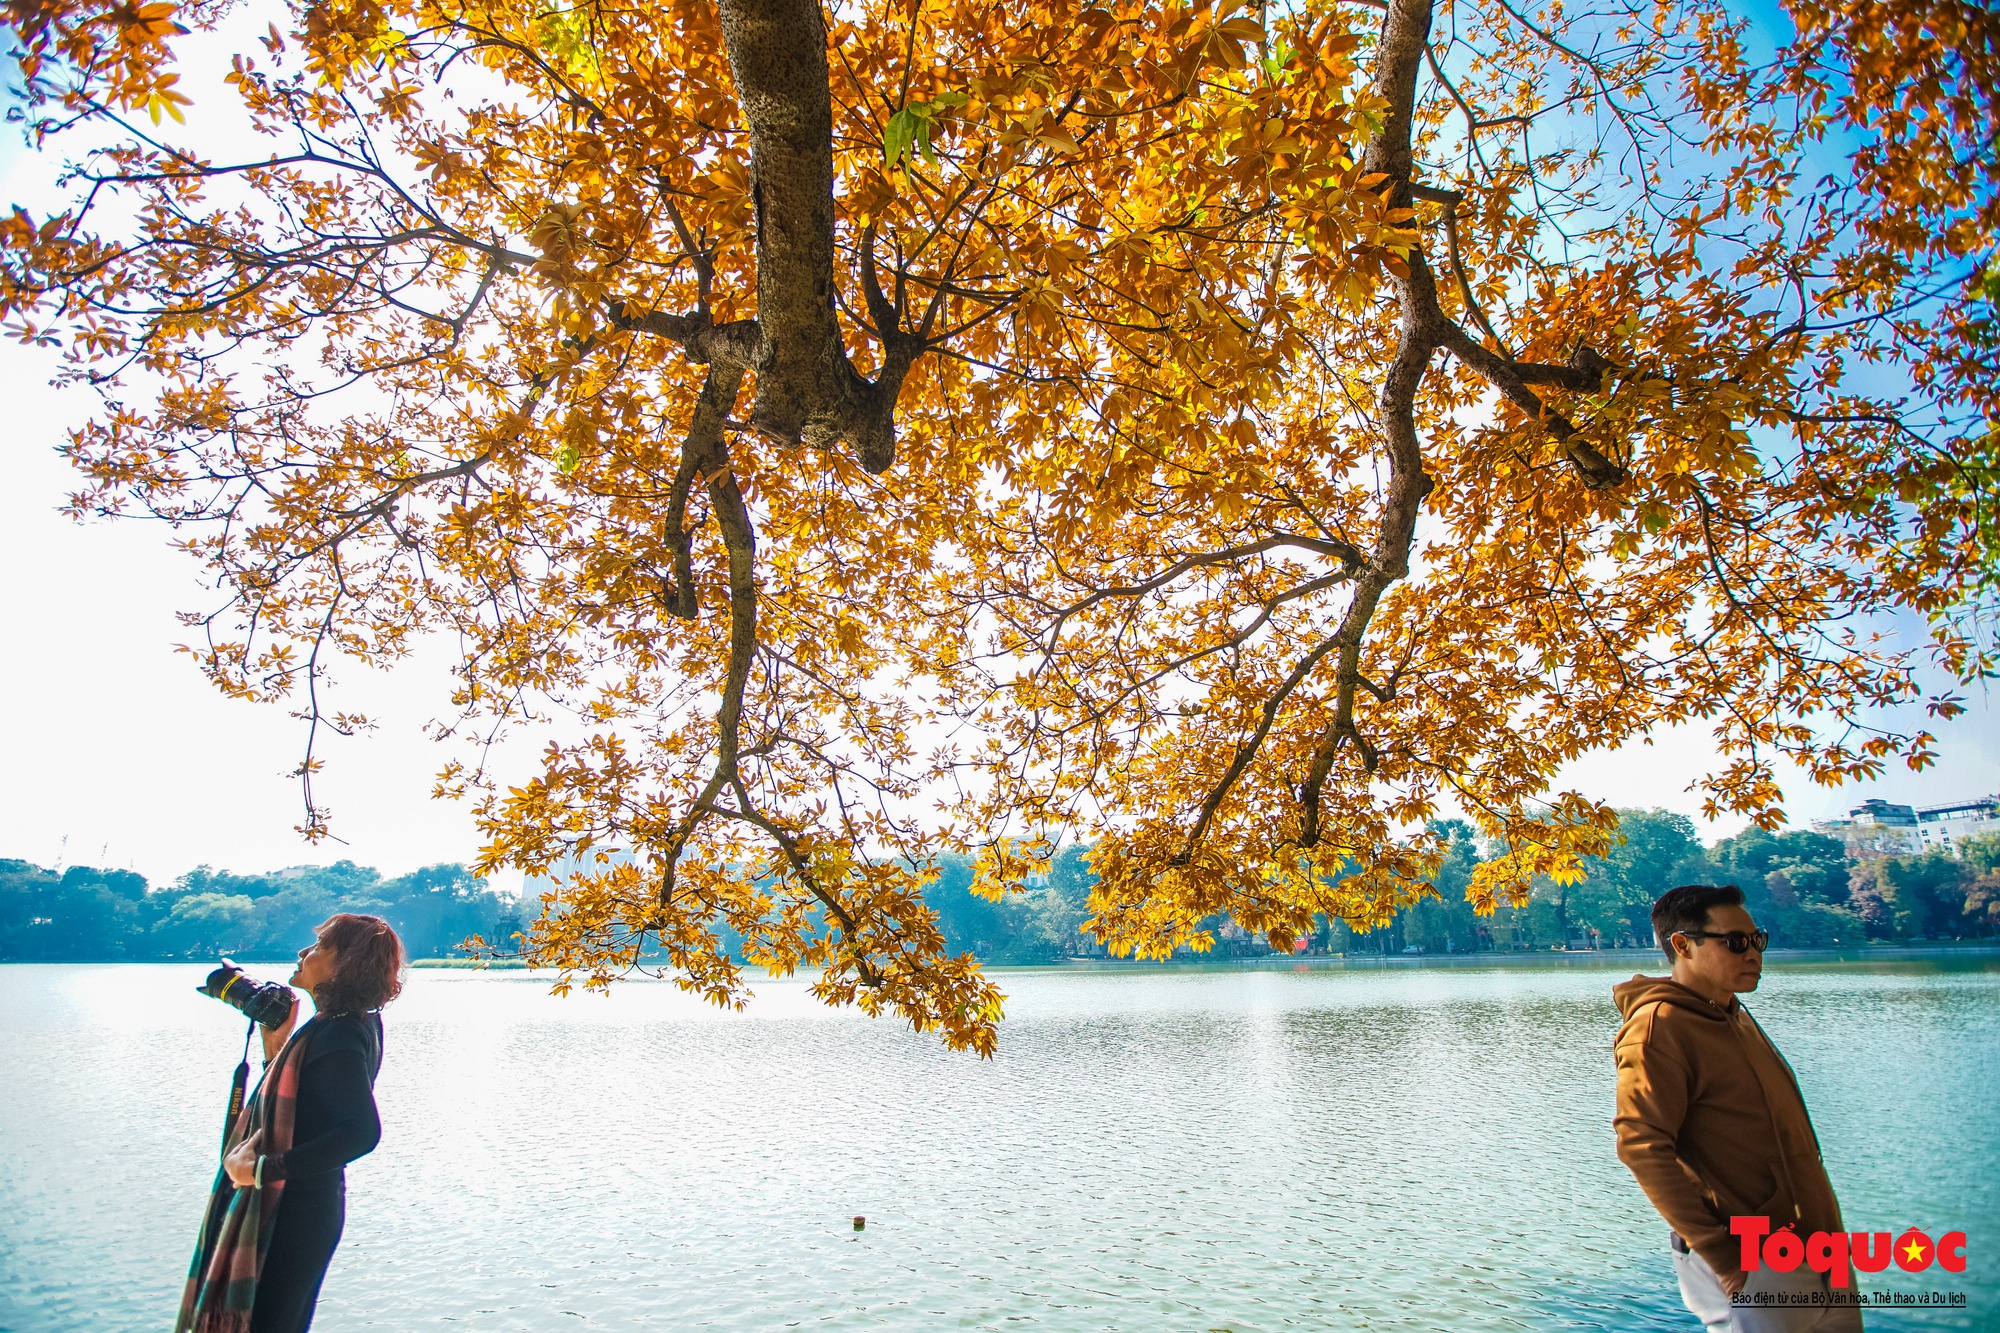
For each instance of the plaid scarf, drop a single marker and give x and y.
(236, 1231)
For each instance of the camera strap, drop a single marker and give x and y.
(237, 1085)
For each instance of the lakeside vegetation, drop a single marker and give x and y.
(83, 914)
(1802, 886)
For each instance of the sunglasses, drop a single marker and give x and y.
(1736, 941)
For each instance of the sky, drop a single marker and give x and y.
(118, 752)
(114, 750)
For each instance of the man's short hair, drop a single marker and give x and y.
(1685, 907)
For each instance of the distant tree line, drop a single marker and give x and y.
(1801, 886)
(89, 915)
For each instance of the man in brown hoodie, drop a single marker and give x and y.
(1711, 1120)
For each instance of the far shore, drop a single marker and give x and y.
(1879, 952)
(1883, 951)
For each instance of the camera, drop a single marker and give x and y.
(264, 1002)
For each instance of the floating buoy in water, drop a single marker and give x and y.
(859, 1222)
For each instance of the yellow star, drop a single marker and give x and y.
(1915, 1250)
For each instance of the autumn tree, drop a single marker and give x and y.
(1656, 850)
(1981, 856)
(1233, 436)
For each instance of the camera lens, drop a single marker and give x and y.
(264, 1002)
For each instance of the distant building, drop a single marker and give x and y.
(1875, 828)
(1945, 826)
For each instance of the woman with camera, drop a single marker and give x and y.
(280, 1199)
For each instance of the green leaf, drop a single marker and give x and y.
(904, 128)
(1987, 284)
(566, 34)
(1280, 56)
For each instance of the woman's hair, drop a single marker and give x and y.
(367, 964)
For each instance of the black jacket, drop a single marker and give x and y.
(335, 1120)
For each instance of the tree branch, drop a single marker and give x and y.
(807, 388)
(1598, 472)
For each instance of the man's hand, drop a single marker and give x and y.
(1733, 1281)
(241, 1162)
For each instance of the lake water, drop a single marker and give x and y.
(1359, 1147)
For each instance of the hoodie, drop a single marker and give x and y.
(1711, 1121)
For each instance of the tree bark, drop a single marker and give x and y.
(807, 389)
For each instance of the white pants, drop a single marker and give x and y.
(1708, 1302)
